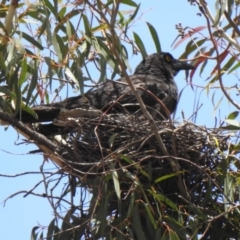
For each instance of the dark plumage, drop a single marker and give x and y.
(155, 74)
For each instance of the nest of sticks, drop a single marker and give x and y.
(94, 147)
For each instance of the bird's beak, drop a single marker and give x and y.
(179, 65)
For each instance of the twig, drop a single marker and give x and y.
(218, 62)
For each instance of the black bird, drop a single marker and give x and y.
(155, 74)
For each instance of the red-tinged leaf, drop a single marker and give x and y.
(191, 32)
(192, 73)
(198, 62)
(222, 56)
(209, 54)
(41, 93)
(215, 43)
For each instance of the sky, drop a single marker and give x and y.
(19, 215)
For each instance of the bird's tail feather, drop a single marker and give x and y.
(43, 113)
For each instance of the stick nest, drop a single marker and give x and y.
(99, 146)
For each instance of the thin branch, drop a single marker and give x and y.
(232, 23)
(219, 63)
(206, 11)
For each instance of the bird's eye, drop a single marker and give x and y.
(168, 58)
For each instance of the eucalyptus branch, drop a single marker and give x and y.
(219, 64)
(48, 147)
(5, 117)
(206, 11)
(232, 23)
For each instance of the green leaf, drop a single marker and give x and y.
(99, 28)
(45, 26)
(133, 15)
(33, 233)
(137, 224)
(12, 52)
(103, 67)
(32, 86)
(164, 237)
(57, 47)
(50, 7)
(218, 103)
(130, 161)
(6, 91)
(51, 230)
(168, 176)
(101, 48)
(228, 192)
(220, 8)
(69, 73)
(23, 73)
(128, 21)
(176, 229)
(140, 45)
(193, 223)
(150, 216)
(124, 56)
(2, 62)
(63, 48)
(103, 207)
(79, 76)
(131, 204)
(234, 67)
(87, 26)
(191, 46)
(115, 181)
(67, 17)
(230, 128)
(69, 28)
(50, 72)
(14, 85)
(111, 139)
(56, 233)
(56, 4)
(62, 12)
(233, 115)
(65, 226)
(129, 2)
(154, 37)
(162, 199)
(229, 64)
(31, 40)
(41, 235)
(28, 110)
(173, 235)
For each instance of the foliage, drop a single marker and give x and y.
(55, 46)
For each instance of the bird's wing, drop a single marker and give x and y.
(111, 94)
